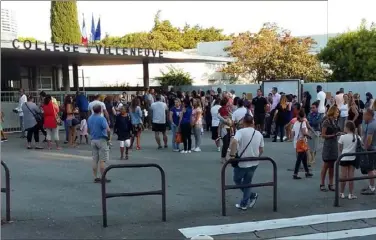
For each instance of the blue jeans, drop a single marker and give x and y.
(244, 176)
(174, 130)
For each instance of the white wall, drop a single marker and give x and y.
(132, 75)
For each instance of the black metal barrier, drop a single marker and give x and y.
(6, 190)
(225, 187)
(338, 180)
(132, 194)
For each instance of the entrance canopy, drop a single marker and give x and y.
(52, 53)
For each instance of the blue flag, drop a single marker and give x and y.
(92, 32)
(98, 31)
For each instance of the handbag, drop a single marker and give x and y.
(178, 138)
(235, 163)
(301, 144)
(38, 116)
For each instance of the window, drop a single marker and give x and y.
(45, 83)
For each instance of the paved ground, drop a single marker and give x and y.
(53, 196)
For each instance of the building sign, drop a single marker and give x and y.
(96, 49)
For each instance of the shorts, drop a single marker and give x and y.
(137, 127)
(314, 142)
(100, 150)
(348, 163)
(126, 143)
(72, 122)
(259, 118)
(159, 127)
(52, 134)
(214, 131)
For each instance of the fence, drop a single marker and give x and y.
(6, 190)
(338, 180)
(225, 187)
(161, 192)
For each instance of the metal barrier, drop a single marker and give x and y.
(225, 187)
(6, 190)
(132, 194)
(338, 180)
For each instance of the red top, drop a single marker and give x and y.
(223, 111)
(50, 112)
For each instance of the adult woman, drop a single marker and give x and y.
(208, 115)
(281, 117)
(215, 123)
(197, 123)
(174, 119)
(344, 112)
(347, 144)
(185, 126)
(360, 107)
(108, 102)
(136, 118)
(32, 121)
(353, 112)
(71, 120)
(330, 131)
(306, 102)
(300, 133)
(50, 114)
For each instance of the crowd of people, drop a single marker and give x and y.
(238, 126)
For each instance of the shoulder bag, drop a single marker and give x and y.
(301, 144)
(38, 116)
(235, 163)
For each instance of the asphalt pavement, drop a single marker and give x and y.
(53, 195)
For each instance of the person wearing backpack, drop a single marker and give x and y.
(347, 143)
(247, 142)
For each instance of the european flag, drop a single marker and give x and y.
(98, 31)
(92, 35)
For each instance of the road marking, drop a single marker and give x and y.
(361, 232)
(245, 227)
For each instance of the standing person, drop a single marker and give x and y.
(347, 144)
(137, 124)
(314, 120)
(360, 107)
(353, 112)
(3, 137)
(174, 119)
(150, 101)
(215, 123)
(185, 126)
(197, 123)
(247, 142)
(321, 96)
(369, 140)
(108, 102)
(21, 101)
(32, 117)
(83, 129)
(123, 128)
(97, 101)
(330, 131)
(239, 114)
(300, 133)
(281, 116)
(71, 121)
(98, 128)
(208, 115)
(82, 104)
(158, 111)
(276, 97)
(344, 112)
(339, 97)
(225, 128)
(50, 113)
(259, 103)
(306, 102)
(369, 101)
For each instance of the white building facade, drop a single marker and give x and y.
(8, 24)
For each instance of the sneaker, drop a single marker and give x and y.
(218, 149)
(175, 150)
(342, 195)
(240, 207)
(352, 196)
(159, 147)
(183, 151)
(253, 201)
(197, 149)
(4, 140)
(368, 191)
(189, 151)
(284, 138)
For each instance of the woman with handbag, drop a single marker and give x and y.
(51, 121)
(300, 133)
(32, 120)
(330, 131)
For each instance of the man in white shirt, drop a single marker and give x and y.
(215, 123)
(276, 99)
(21, 101)
(339, 97)
(239, 114)
(247, 142)
(321, 96)
(159, 112)
(96, 101)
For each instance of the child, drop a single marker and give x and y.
(225, 124)
(123, 128)
(3, 137)
(83, 130)
(347, 144)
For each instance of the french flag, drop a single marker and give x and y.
(83, 32)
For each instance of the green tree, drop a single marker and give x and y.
(64, 22)
(273, 52)
(352, 55)
(31, 39)
(174, 77)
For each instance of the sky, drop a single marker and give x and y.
(121, 17)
